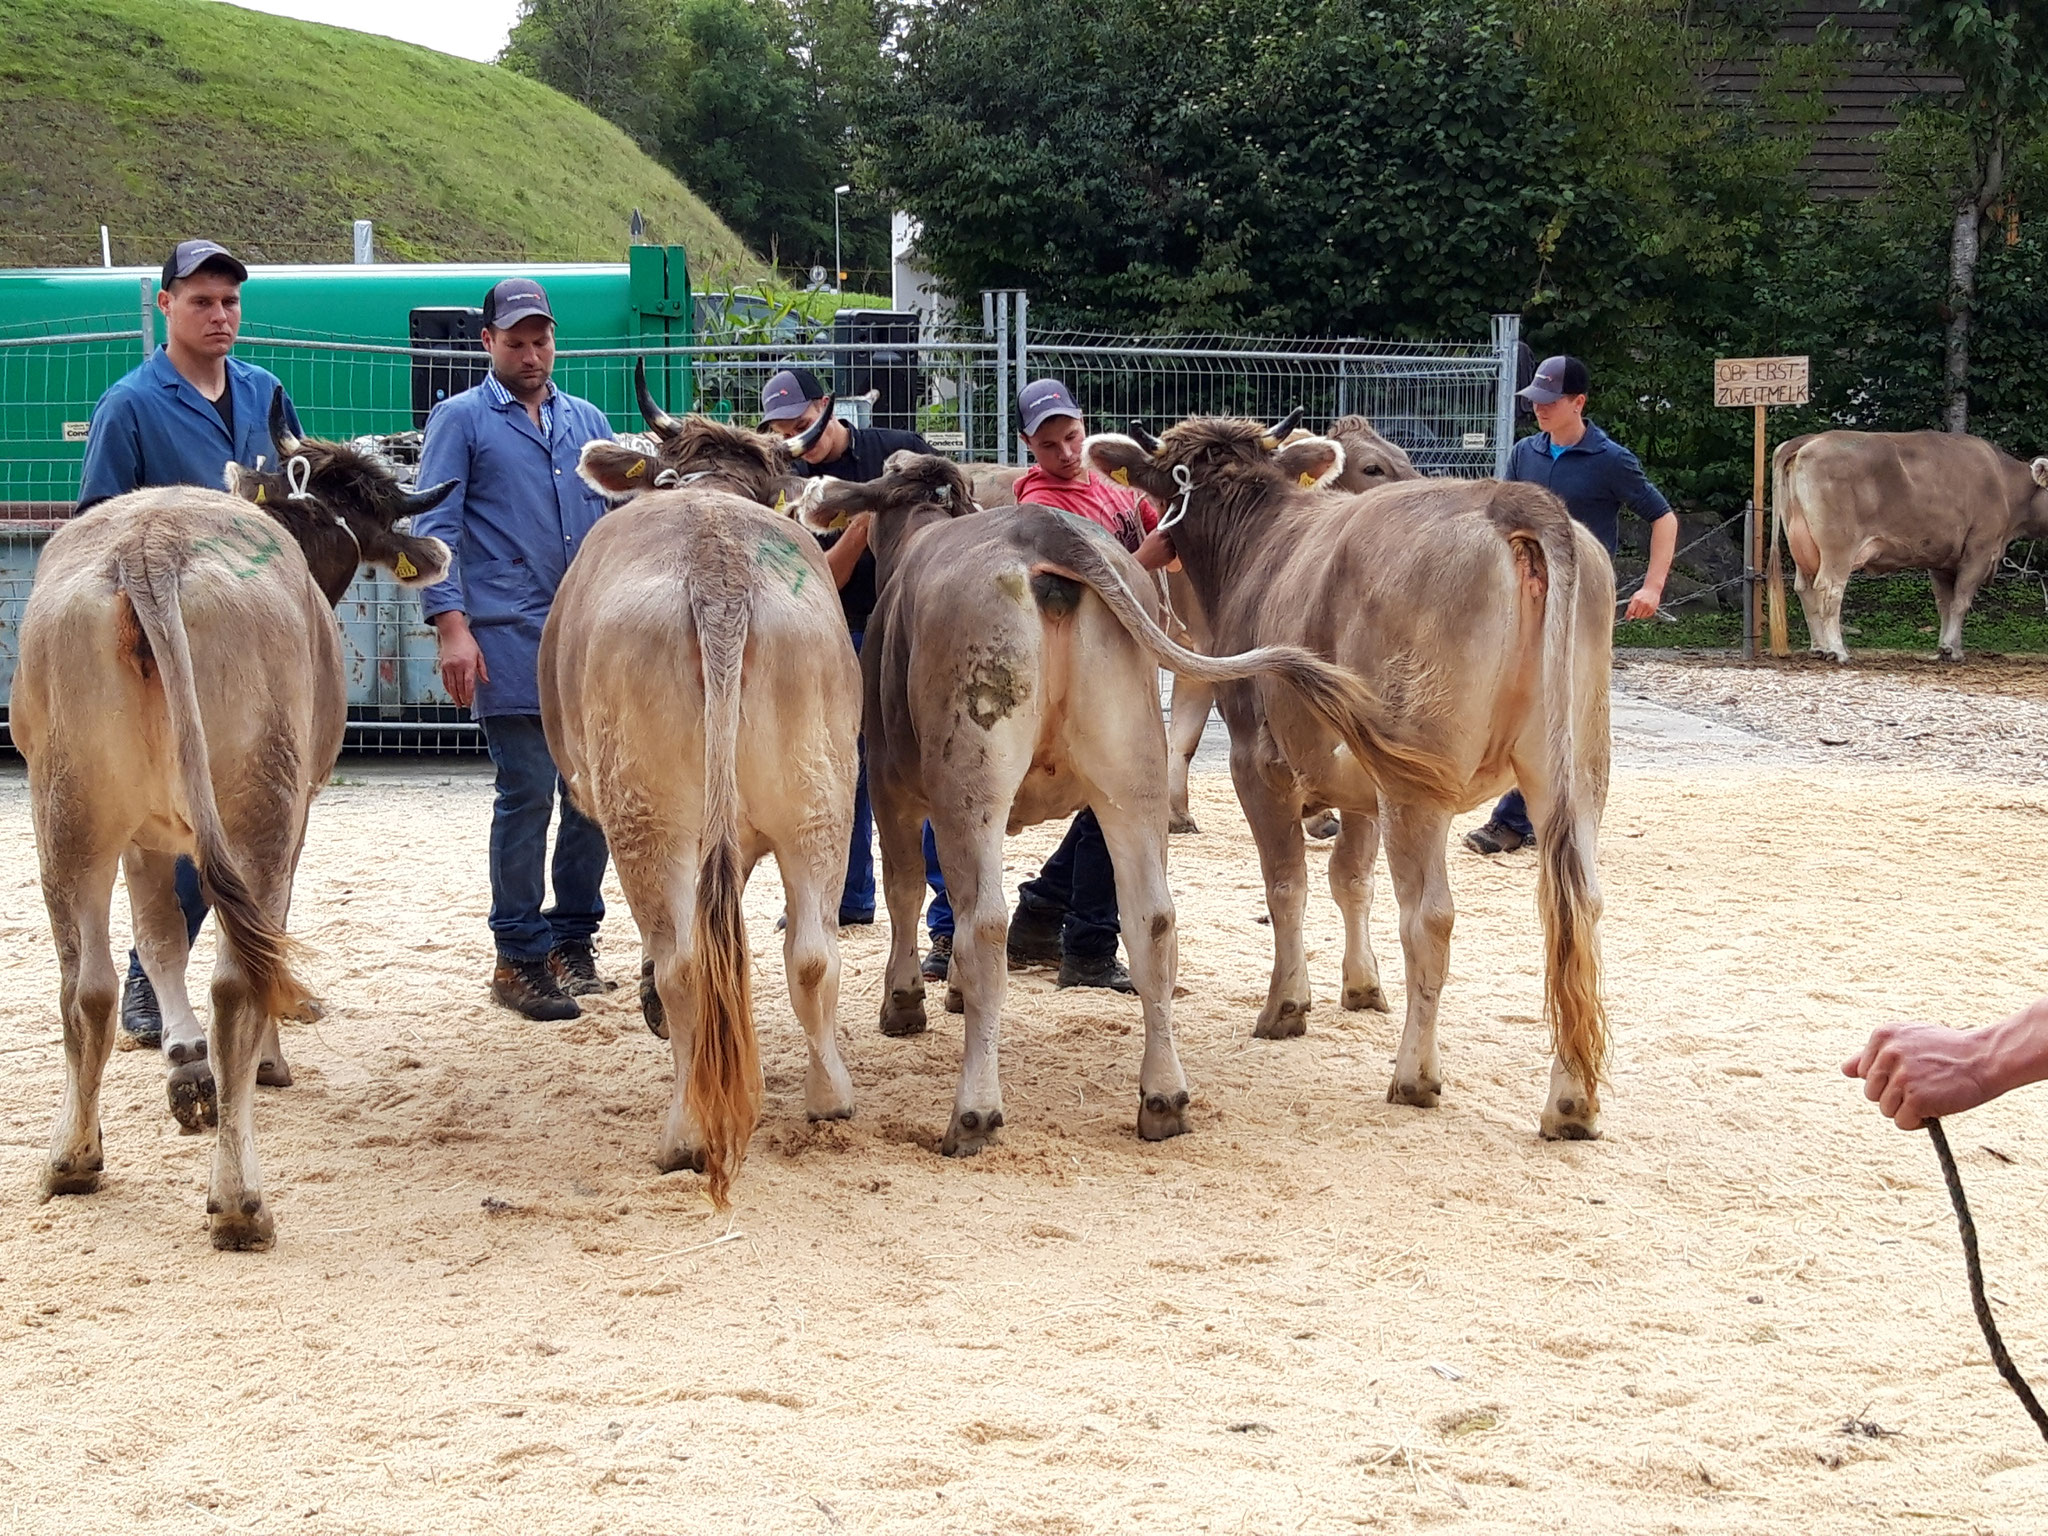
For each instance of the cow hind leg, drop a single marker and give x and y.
(812, 877)
(1131, 825)
(1351, 873)
(1276, 827)
(78, 888)
(165, 952)
(1415, 858)
(681, 1148)
(971, 852)
(900, 829)
(1823, 604)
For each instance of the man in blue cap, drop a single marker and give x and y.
(517, 516)
(178, 420)
(791, 402)
(1595, 477)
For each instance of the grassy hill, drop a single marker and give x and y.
(165, 118)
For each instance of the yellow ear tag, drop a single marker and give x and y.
(259, 495)
(639, 468)
(781, 501)
(1307, 479)
(1120, 475)
(404, 568)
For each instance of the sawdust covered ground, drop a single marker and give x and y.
(1318, 1312)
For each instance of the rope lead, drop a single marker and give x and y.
(1999, 1357)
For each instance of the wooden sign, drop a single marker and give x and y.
(1760, 381)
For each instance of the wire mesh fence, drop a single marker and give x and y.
(1448, 404)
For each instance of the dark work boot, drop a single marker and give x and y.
(573, 964)
(1035, 936)
(938, 961)
(142, 1022)
(1104, 971)
(529, 987)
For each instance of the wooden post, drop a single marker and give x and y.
(1760, 382)
(1756, 548)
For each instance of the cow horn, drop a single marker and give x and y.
(1286, 424)
(1144, 439)
(432, 496)
(280, 433)
(659, 422)
(807, 439)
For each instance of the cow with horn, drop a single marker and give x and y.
(181, 692)
(1480, 616)
(699, 692)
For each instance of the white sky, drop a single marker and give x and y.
(471, 29)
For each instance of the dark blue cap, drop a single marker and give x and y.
(1043, 398)
(789, 394)
(514, 300)
(190, 255)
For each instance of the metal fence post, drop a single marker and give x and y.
(1023, 350)
(148, 322)
(1002, 378)
(365, 243)
(1507, 337)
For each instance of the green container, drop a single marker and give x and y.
(340, 337)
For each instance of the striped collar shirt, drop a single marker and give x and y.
(500, 395)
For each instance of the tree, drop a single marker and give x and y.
(614, 56)
(1998, 51)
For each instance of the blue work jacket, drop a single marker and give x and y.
(1595, 478)
(153, 427)
(517, 516)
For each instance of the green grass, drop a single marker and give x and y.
(164, 118)
(1891, 613)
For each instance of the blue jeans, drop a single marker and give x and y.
(1080, 882)
(190, 902)
(1513, 814)
(527, 786)
(938, 917)
(857, 899)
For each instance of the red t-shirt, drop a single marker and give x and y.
(1123, 511)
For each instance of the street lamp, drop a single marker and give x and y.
(839, 272)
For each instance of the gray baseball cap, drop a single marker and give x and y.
(190, 255)
(1555, 378)
(789, 394)
(514, 300)
(1042, 399)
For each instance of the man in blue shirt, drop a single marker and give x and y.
(517, 516)
(178, 420)
(1595, 477)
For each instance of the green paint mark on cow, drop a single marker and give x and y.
(778, 554)
(245, 548)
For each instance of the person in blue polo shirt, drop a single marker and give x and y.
(178, 420)
(1595, 477)
(517, 516)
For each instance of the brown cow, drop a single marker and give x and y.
(1481, 614)
(181, 692)
(699, 692)
(1011, 677)
(1370, 461)
(1939, 502)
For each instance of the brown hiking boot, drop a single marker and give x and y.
(573, 964)
(529, 987)
(1496, 838)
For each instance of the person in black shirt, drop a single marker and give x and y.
(790, 403)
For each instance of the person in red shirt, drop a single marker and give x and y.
(1068, 915)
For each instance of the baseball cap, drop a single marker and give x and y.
(1555, 378)
(514, 300)
(1043, 398)
(789, 394)
(190, 255)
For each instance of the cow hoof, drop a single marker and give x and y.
(193, 1104)
(650, 1002)
(182, 1052)
(1366, 999)
(955, 1003)
(1416, 1093)
(970, 1131)
(75, 1173)
(274, 1072)
(679, 1159)
(246, 1229)
(1323, 826)
(903, 1014)
(1181, 822)
(1949, 655)
(1573, 1119)
(1160, 1117)
(831, 1112)
(1289, 1020)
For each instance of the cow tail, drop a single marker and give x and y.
(1566, 893)
(1781, 483)
(261, 948)
(724, 1090)
(1339, 696)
